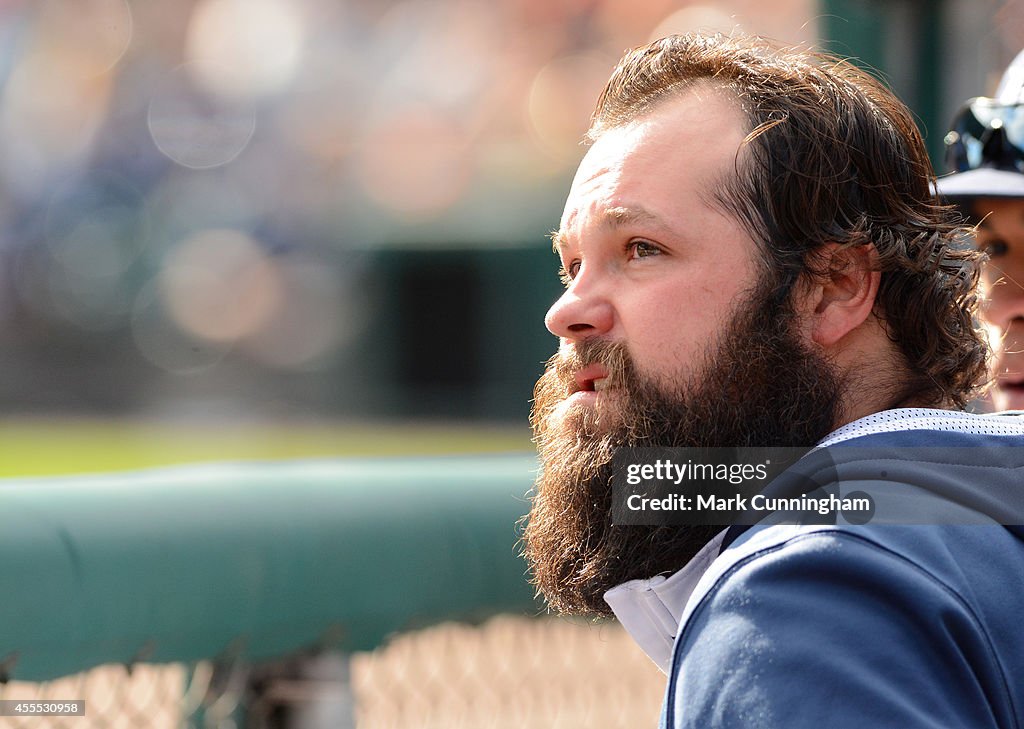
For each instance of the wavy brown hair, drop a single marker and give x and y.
(832, 156)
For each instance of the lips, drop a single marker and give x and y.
(1009, 393)
(592, 378)
(1009, 396)
(1014, 384)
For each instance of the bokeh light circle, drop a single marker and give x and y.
(94, 34)
(561, 100)
(320, 313)
(219, 285)
(163, 343)
(245, 48)
(194, 128)
(415, 162)
(706, 18)
(49, 118)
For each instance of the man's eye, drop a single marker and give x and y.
(995, 247)
(643, 249)
(567, 273)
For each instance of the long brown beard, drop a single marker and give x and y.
(759, 387)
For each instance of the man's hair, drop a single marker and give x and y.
(832, 157)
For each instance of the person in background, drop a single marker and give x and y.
(985, 154)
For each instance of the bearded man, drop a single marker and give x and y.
(753, 257)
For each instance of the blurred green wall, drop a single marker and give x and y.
(900, 42)
(464, 335)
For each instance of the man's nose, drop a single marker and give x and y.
(580, 313)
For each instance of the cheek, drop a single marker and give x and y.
(995, 338)
(1004, 290)
(1013, 274)
(672, 325)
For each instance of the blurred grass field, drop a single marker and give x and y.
(41, 447)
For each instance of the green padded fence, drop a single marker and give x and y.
(253, 559)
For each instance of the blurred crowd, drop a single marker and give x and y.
(189, 184)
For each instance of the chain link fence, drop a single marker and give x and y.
(509, 672)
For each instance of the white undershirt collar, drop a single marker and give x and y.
(650, 610)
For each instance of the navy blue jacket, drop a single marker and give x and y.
(880, 625)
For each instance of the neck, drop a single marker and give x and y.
(878, 378)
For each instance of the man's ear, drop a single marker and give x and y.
(842, 297)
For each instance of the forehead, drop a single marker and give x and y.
(675, 154)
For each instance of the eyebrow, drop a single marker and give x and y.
(612, 219)
(621, 216)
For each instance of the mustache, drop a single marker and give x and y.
(559, 382)
(613, 356)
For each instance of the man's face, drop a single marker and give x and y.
(650, 262)
(668, 337)
(1001, 233)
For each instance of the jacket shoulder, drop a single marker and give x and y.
(832, 626)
